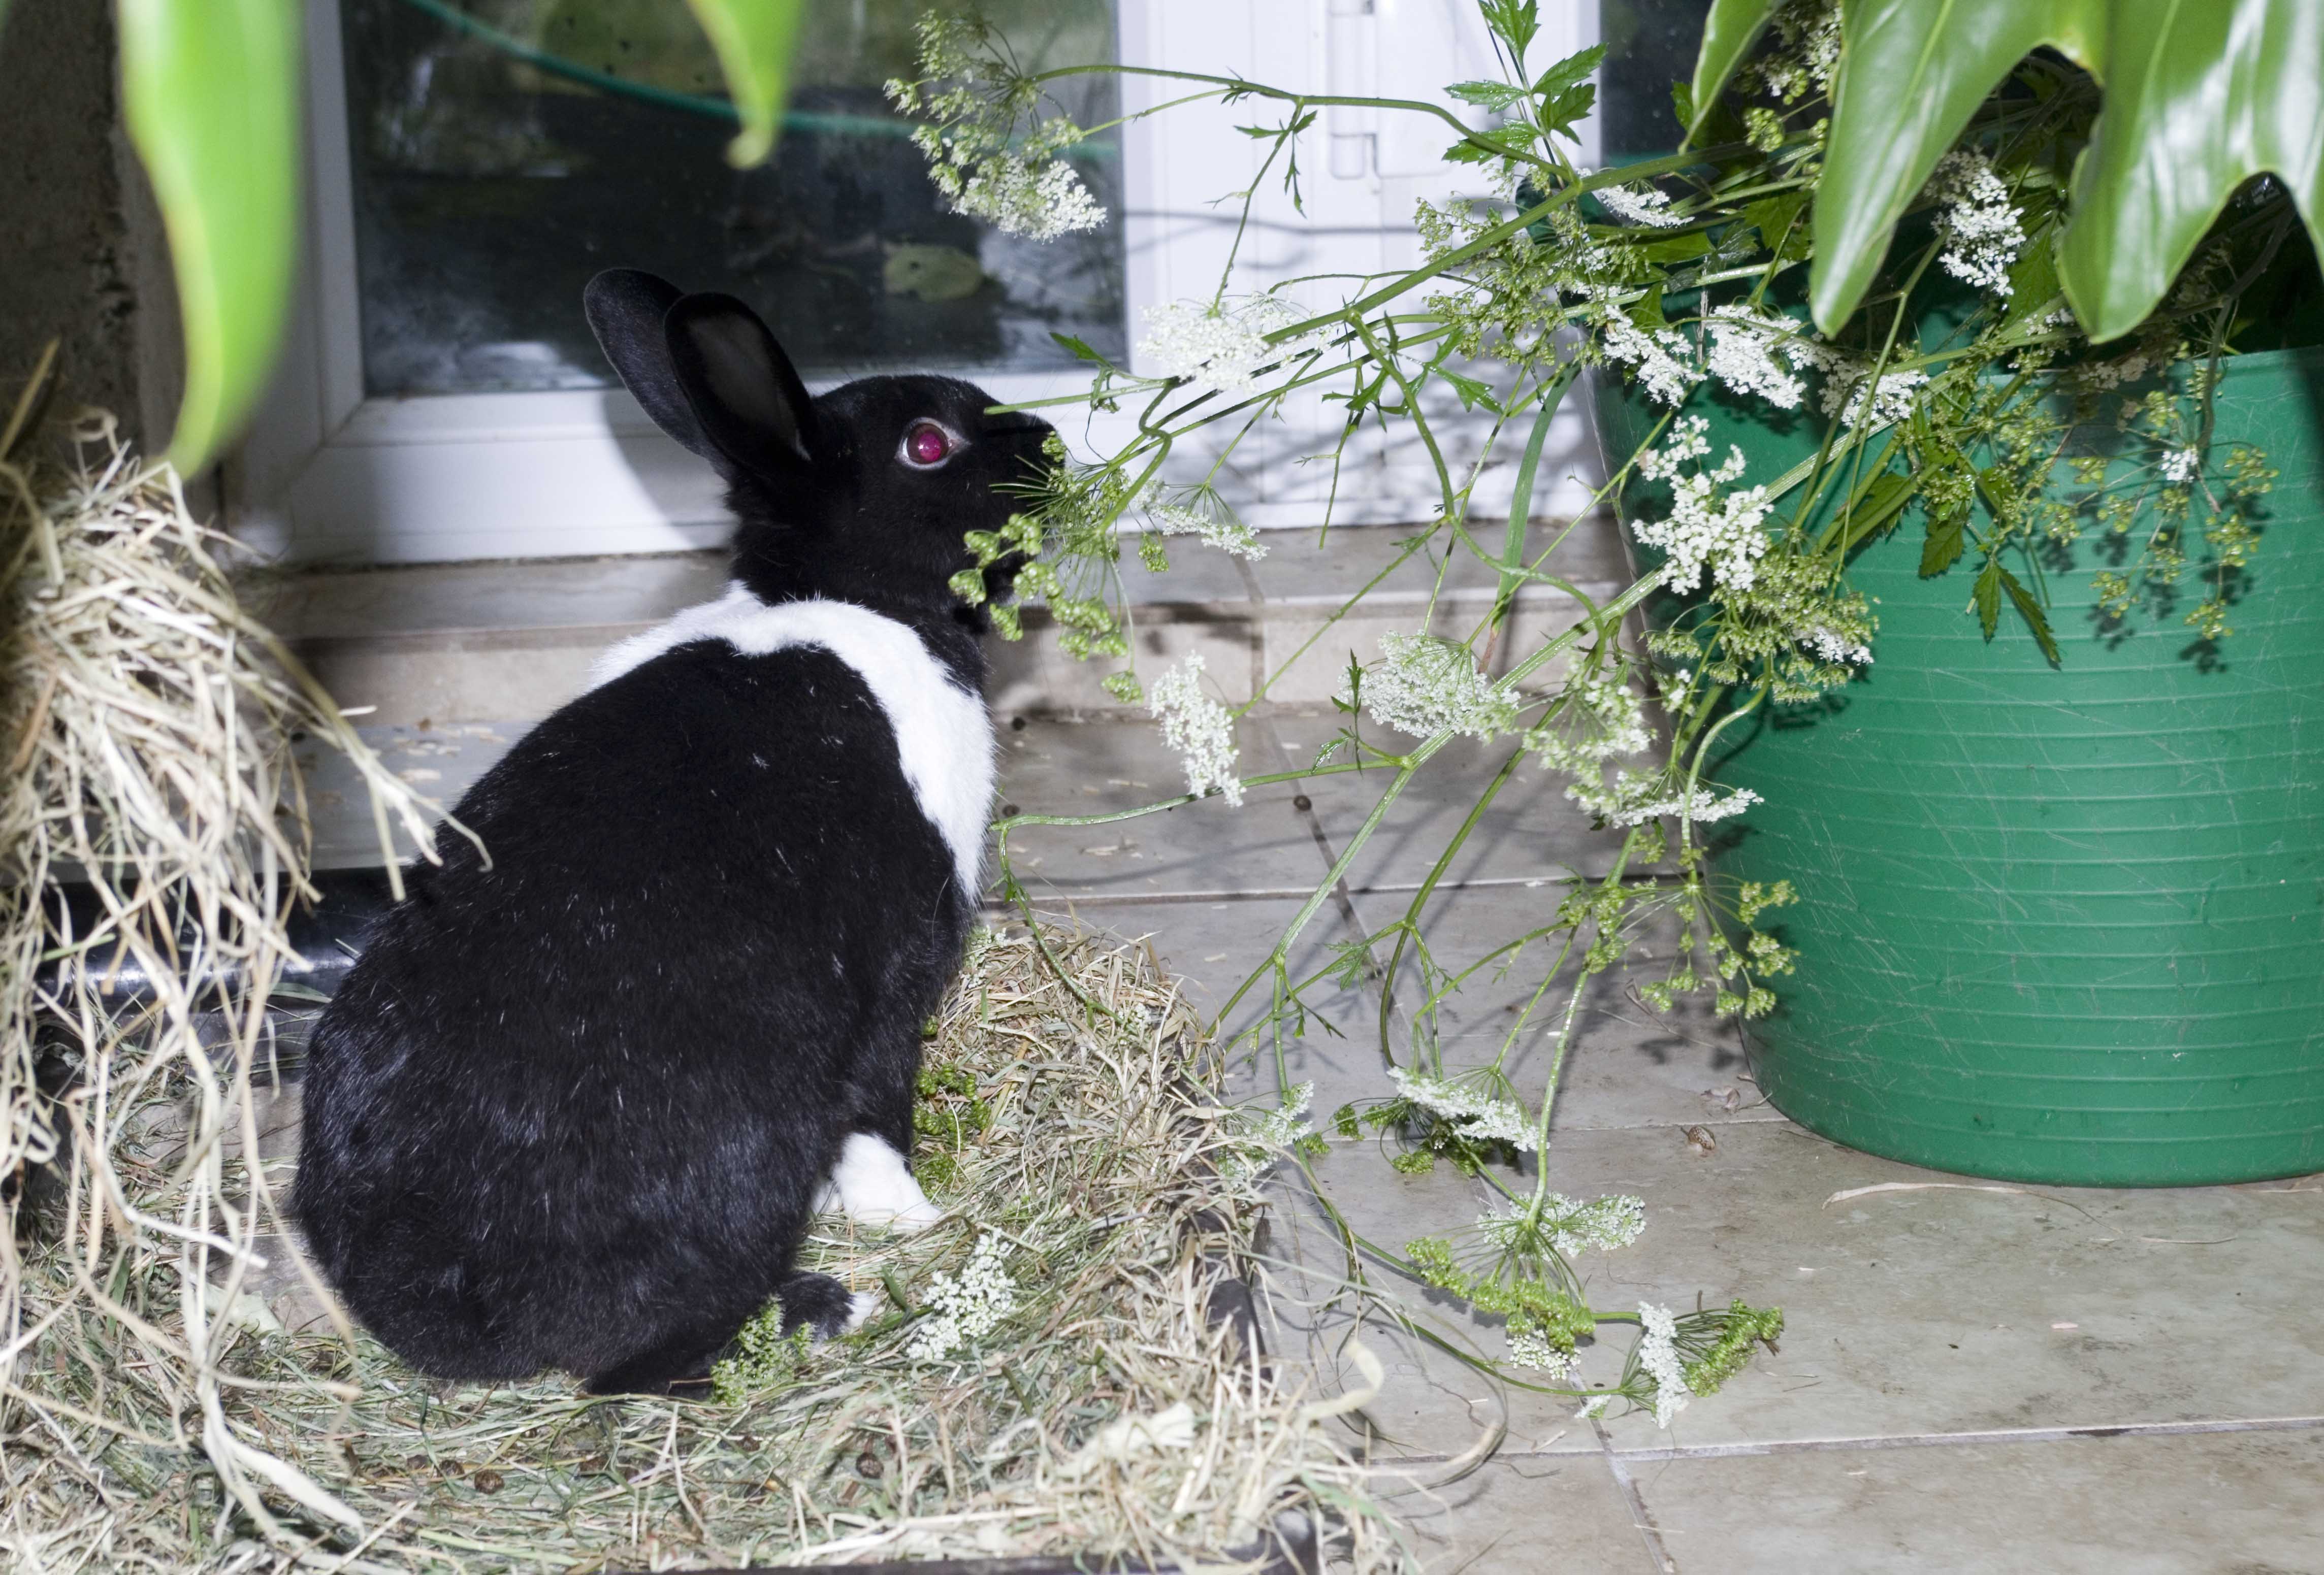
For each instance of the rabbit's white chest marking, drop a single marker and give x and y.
(942, 733)
(870, 1184)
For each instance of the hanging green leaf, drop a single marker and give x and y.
(1942, 549)
(2200, 98)
(1987, 595)
(2031, 611)
(1911, 72)
(1728, 33)
(1516, 21)
(1489, 95)
(753, 40)
(211, 95)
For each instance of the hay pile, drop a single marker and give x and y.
(1046, 1377)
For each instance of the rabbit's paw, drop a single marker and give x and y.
(871, 1185)
(821, 1303)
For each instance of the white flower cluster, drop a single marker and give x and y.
(1198, 729)
(2182, 466)
(1288, 1123)
(1601, 717)
(1707, 528)
(1832, 649)
(1268, 1135)
(1982, 227)
(1662, 361)
(1757, 352)
(1689, 440)
(967, 1306)
(1223, 531)
(1218, 347)
(1603, 1224)
(983, 162)
(1807, 54)
(1017, 197)
(2105, 376)
(1606, 1224)
(1634, 205)
(1473, 1117)
(1749, 349)
(1425, 685)
(1698, 806)
(1530, 1348)
(1848, 393)
(1658, 1355)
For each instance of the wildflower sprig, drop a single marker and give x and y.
(1682, 279)
(992, 152)
(963, 1307)
(1684, 1357)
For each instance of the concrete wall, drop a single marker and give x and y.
(82, 254)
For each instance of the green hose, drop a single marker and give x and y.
(645, 93)
(859, 125)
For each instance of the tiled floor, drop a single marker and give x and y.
(1973, 1378)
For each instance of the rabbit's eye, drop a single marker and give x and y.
(926, 445)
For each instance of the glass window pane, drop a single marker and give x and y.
(1649, 45)
(489, 186)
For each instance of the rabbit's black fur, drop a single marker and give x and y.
(573, 1109)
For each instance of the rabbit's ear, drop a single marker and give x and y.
(625, 308)
(750, 403)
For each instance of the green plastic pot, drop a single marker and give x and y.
(2060, 925)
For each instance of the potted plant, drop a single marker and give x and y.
(1808, 446)
(2065, 893)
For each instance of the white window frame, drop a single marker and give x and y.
(328, 475)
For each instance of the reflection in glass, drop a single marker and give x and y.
(504, 151)
(1649, 45)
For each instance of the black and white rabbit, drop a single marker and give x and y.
(573, 1108)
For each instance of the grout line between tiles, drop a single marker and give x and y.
(1641, 1517)
(1276, 893)
(2015, 1435)
(1915, 1441)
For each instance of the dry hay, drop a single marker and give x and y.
(157, 1415)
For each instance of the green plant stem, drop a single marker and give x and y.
(1428, 888)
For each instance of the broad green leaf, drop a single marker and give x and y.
(753, 40)
(1942, 549)
(2200, 98)
(1570, 72)
(1987, 595)
(1561, 113)
(2031, 611)
(1678, 248)
(1479, 147)
(2033, 283)
(1728, 33)
(1774, 219)
(1911, 74)
(1490, 94)
(1517, 22)
(210, 93)
(1471, 393)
